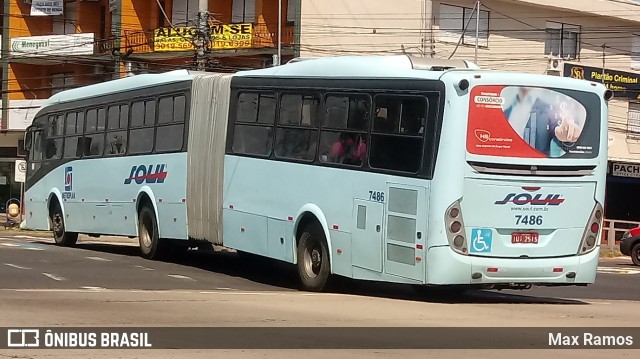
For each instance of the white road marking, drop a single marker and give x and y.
(34, 249)
(144, 268)
(94, 289)
(178, 276)
(9, 245)
(619, 270)
(54, 277)
(27, 237)
(16, 266)
(100, 259)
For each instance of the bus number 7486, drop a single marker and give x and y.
(529, 220)
(376, 196)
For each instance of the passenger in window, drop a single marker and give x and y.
(350, 149)
(51, 149)
(117, 145)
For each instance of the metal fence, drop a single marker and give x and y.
(613, 230)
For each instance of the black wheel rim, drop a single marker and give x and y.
(58, 225)
(146, 232)
(313, 259)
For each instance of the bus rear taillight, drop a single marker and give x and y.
(455, 228)
(591, 232)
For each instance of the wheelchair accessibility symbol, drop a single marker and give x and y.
(481, 240)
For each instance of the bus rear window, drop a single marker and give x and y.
(533, 122)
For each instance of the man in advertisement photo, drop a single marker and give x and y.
(548, 121)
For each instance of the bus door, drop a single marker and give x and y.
(366, 237)
(406, 228)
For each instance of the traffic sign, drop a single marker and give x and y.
(21, 170)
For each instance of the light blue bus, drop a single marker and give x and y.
(384, 168)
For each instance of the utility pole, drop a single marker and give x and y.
(603, 57)
(203, 37)
(116, 28)
(4, 120)
(477, 30)
(279, 33)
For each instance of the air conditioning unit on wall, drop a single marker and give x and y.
(555, 66)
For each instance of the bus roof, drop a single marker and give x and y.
(363, 66)
(379, 66)
(123, 84)
(406, 66)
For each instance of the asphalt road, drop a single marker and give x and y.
(114, 263)
(104, 284)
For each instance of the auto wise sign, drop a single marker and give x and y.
(623, 84)
(232, 36)
(33, 46)
(47, 7)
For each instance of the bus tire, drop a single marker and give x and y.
(151, 245)
(60, 235)
(314, 268)
(635, 254)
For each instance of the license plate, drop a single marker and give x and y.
(526, 237)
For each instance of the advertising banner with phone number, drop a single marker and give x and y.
(533, 122)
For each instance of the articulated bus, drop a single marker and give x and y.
(383, 168)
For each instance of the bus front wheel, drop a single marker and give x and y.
(313, 259)
(151, 246)
(60, 234)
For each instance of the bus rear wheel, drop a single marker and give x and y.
(313, 259)
(151, 246)
(60, 234)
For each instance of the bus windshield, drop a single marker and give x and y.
(533, 122)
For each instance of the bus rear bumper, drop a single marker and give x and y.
(447, 267)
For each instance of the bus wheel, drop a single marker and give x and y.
(313, 259)
(61, 236)
(150, 243)
(635, 254)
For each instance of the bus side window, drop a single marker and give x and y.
(92, 143)
(36, 147)
(170, 129)
(397, 139)
(116, 138)
(54, 139)
(143, 117)
(297, 135)
(254, 120)
(73, 135)
(413, 115)
(36, 152)
(343, 137)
